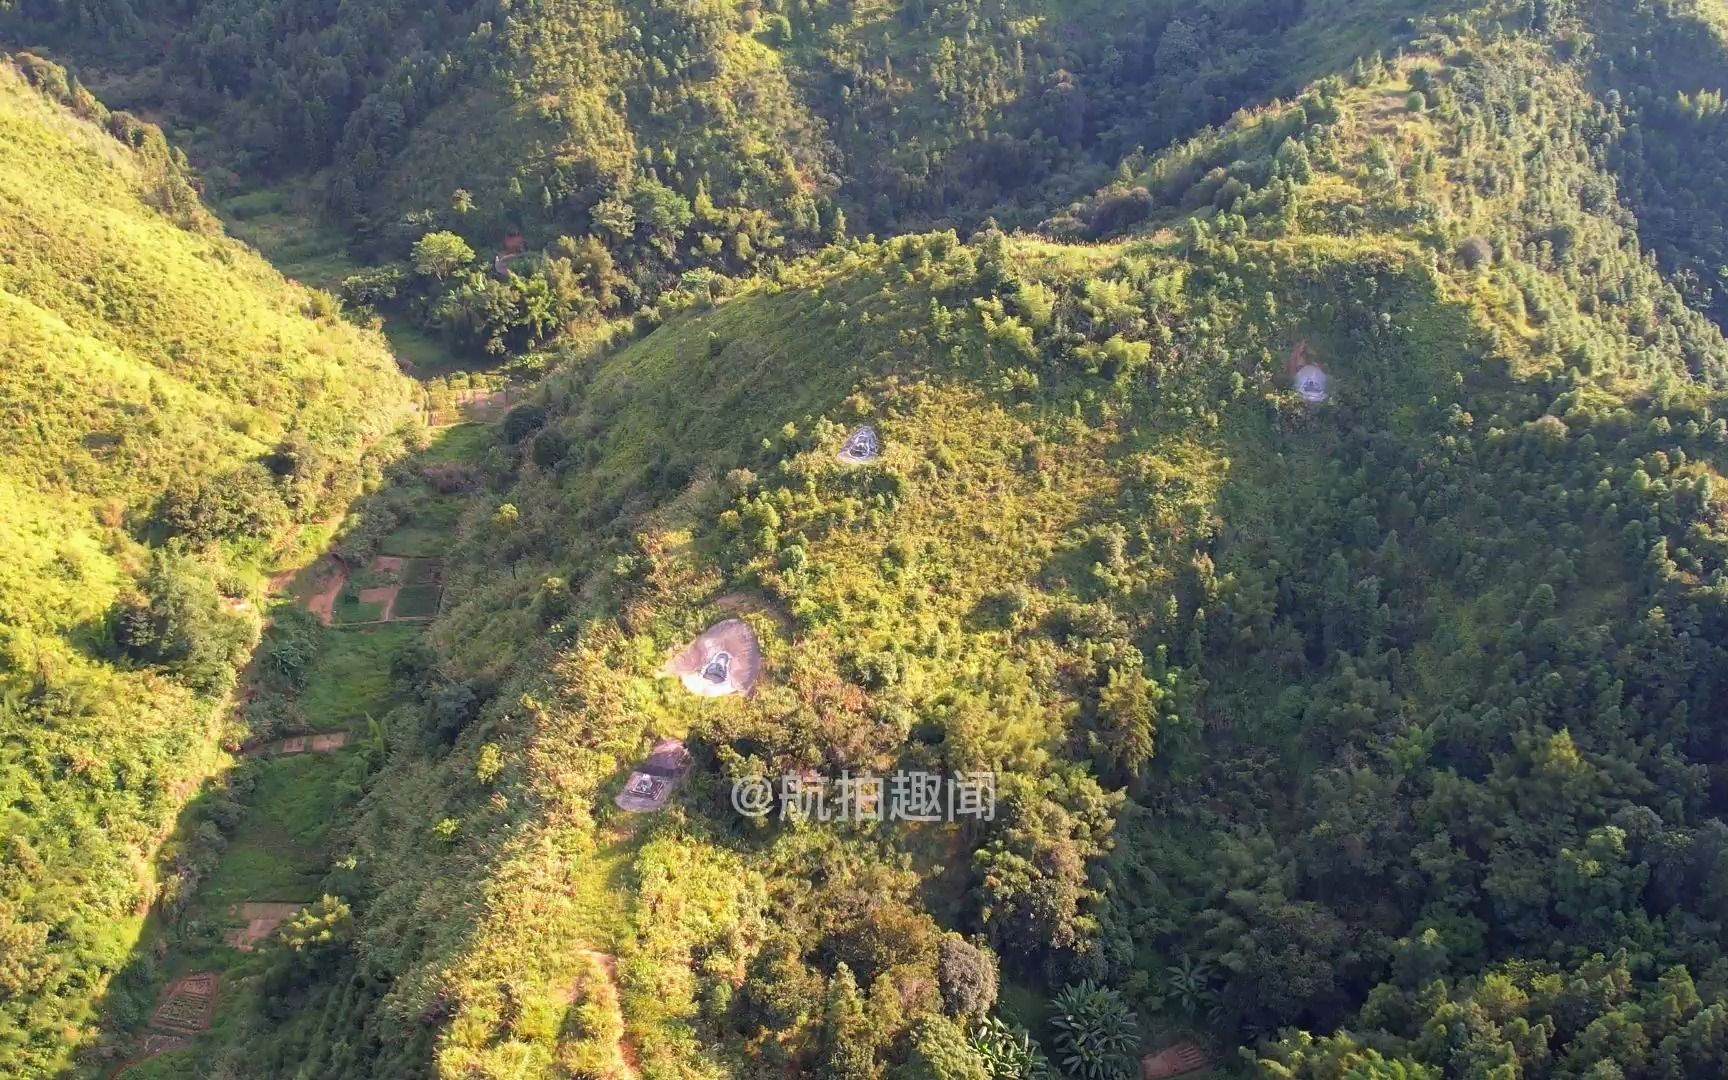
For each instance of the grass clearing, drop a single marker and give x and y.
(429, 356)
(417, 539)
(278, 852)
(351, 678)
(458, 444)
(283, 225)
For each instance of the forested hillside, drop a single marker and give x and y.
(1301, 427)
(172, 407)
(1375, 737)
(708, 137)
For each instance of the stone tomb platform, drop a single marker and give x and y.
(651, 785)
(861, 447)
(1307, 375)
(725, 659)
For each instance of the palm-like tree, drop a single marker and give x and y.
(1096, 1033)
(1188, 984)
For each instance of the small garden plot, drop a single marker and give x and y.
(383, 570)
(422, 572)
(188, 1004)
(416, 602)
(359, 606)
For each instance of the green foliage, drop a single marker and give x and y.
(1383, 723)
(846, 1050)
(175, 621)
(1096, 1033)
(940, 1051)
(441, 254)
(245, 502)
(1009, 1052)
(706, 138)
(318, 931)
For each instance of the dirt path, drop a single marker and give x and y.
(611, 1000)
(323, 602)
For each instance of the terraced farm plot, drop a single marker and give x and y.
(416, 602)
(421, 571)
(367, 606)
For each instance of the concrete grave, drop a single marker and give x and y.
(861, 447)
(652, 782)
(725, 659)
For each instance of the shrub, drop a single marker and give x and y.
(966, 975)
(549, 448)
(453, 708)
(940, 1052)
(440, 254)
(1119, 210)
(523, 421)
(175, 621)
(239, 503)
(1474, 252)
(1008, 1051)
(291, 645)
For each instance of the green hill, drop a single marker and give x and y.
(1373, 737)
(172, 406)
(709, 136)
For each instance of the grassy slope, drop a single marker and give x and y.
(769, 381)
(137, 352)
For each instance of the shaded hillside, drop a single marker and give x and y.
(172, 407)
(712, 135)
(1663, 76)
(1375, 735)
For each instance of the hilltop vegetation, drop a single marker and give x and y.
(172, 407)
(1375, 738)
